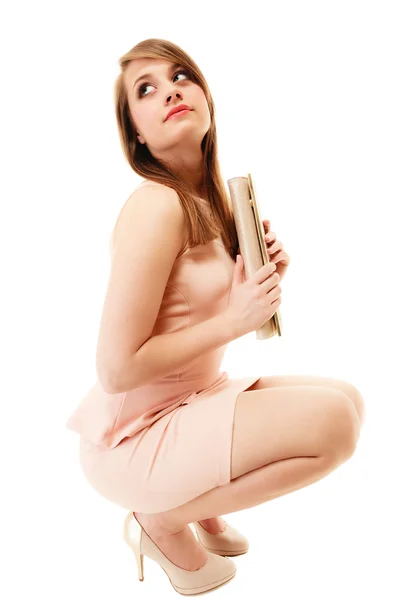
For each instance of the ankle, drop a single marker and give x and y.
(157, 522)
(214, 524)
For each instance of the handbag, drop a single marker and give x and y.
(252, 245)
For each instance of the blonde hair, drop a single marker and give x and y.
(203, 226)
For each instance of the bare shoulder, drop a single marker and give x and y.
(148, 198)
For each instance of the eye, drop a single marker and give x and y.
(146, 83)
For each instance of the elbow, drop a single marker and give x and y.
(117, 382)
(107, 380)
(110, 387)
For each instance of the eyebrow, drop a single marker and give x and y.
(145, 75)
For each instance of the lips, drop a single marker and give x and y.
(177, 109)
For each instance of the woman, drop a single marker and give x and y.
(163, 433)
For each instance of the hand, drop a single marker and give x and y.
(275, 250)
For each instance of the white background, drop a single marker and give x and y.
(307, 99)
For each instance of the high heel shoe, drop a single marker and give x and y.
(225, 543)
(217, 570)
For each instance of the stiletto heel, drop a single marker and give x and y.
(217, 571)
(133, 537)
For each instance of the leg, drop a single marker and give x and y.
(338, 384)
(217, 524)
(284, 438)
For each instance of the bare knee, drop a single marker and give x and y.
(355, 396)
(344, 426)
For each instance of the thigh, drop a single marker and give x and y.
(276, 423)
(338, 384)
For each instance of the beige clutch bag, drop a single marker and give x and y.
(250, 232)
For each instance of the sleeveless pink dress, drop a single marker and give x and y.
(156, 447)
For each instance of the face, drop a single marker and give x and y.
(150, 99)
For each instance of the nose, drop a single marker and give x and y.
(177, 94)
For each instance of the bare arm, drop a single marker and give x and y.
(127, 355)
(165, 353)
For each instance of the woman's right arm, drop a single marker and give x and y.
(165, 353)
(143, 257)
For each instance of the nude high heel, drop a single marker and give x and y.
(225, 543)
(217, 570)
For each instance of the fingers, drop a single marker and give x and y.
(270, 236)
(275, 247)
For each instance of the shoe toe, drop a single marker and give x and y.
(217, 571)
(229, 541)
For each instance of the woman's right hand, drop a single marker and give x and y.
(254, 301)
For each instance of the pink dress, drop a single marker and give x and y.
(156, 447)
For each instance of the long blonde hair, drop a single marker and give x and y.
(203, 226)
